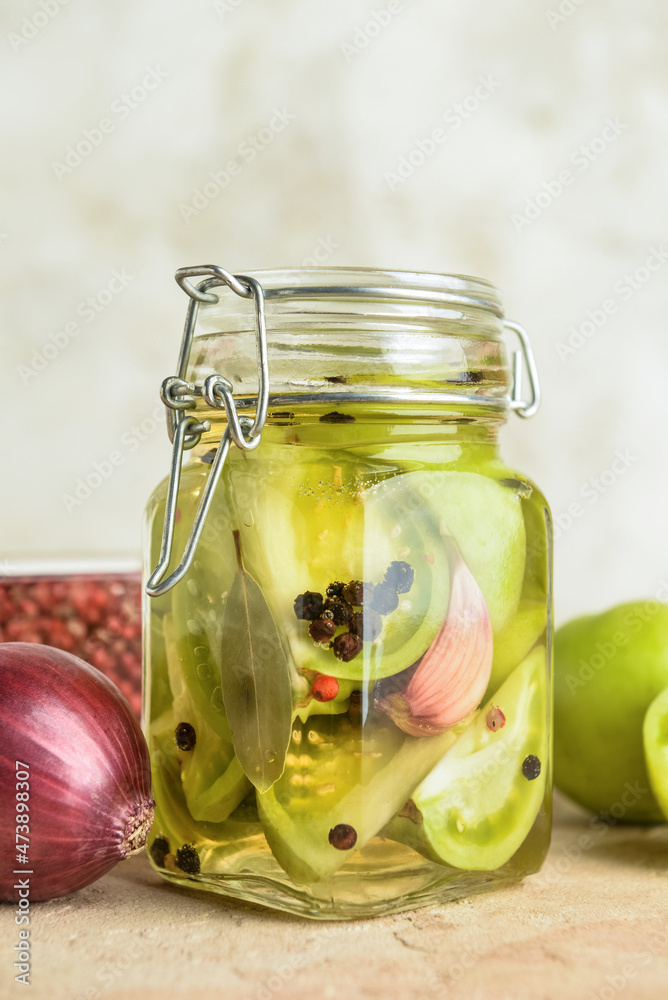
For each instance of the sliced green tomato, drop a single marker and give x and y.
(538, 524)
(156, 676)
(313, 524)
(334, 776)
(397, 528)
(316, 522)
(393, 529)
(212, 779)
(486, 521)
(192, 667)
(476, 807)
(299, 524)
(157, 679)
(172, 820)
(198, 599)
(655, 741)
(220, 846)
(516, 639)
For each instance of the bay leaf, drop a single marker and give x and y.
(255, 680)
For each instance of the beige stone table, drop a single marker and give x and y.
(592, 924)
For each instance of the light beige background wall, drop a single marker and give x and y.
(546, 108)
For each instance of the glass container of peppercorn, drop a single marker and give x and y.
(90, 607)
(348, 596)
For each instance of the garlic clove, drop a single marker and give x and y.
(452, 676)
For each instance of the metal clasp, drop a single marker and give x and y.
(185, 430)
(523, 407)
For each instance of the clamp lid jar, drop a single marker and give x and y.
(347, 641)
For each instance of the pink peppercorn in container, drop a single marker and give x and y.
(90, 607)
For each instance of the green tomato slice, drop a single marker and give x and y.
(655, 742)
(516, 639)
(478, 804)
(338, 773)
(487, 523)
(304, 533)
(212, 778)
(221, 846)
(306, 524)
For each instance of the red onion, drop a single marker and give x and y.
(71, 736)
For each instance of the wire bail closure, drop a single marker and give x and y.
(523, 407)
(185, 430)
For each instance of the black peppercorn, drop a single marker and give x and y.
(400, 576)
(340, 610)
(322, 629)
(366, 624)
(531, 767)
(309, 606)
(357, 593)
(187, 859)
(335, 589)
(343, 837)
(159, 848)
(347, 646)
(186, 737)
(385, 599)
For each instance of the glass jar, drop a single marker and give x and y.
(347, 664)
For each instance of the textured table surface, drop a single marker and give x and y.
(593, 923)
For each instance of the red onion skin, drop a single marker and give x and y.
(90, 776)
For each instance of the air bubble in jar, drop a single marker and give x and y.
(204, 671)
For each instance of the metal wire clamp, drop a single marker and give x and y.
(185, 430)
(523, 407)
